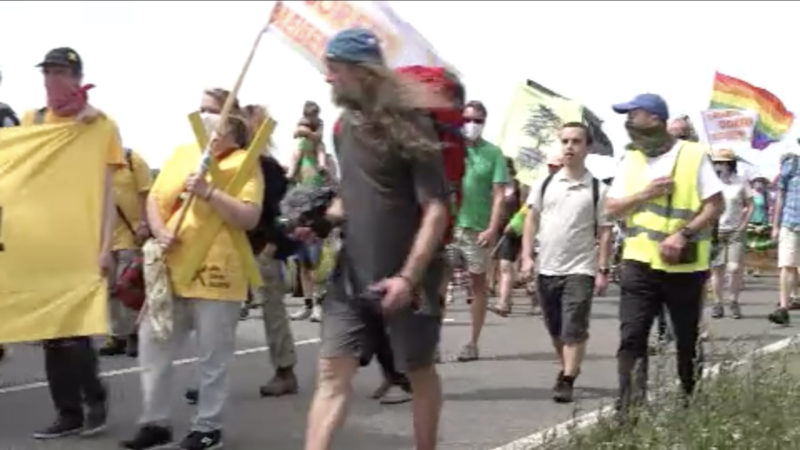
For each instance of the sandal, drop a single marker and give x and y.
(502, 312)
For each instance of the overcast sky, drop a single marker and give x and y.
(151, 60)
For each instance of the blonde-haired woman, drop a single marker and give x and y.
(210, 303)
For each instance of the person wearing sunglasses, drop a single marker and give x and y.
(479, 219)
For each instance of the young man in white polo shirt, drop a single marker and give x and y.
(566, 209)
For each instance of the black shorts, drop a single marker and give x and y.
(509, 248)
(567, 304)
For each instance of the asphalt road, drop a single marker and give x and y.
(488, 403)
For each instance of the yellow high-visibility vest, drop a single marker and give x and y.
(649, 224)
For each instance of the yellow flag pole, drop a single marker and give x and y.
(205, 160)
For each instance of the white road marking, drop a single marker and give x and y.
(137, 369)
(591, 418)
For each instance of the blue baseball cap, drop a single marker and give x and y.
(651, 103)
(355, 45)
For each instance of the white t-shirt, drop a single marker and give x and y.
(566, 224)
(736, 191)
(708, 183)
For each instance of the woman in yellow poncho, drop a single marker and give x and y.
(210, 303)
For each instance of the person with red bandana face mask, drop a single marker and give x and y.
(71, 362)
(7, 119)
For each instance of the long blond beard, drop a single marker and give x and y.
(389, 105)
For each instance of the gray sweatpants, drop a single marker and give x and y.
(121, 318)
(276, 321)
(214, 322)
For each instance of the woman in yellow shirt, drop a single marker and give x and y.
(210, 302)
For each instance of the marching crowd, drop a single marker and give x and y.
(405, 238)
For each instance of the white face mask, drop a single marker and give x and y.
(472, 131)
(210, 122)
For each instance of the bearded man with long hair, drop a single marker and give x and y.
(392, 208)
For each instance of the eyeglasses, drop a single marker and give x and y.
(472, 120)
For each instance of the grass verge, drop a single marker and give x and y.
(750, 406)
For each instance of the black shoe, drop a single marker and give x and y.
(717, 311)
(191, 396)
(244, 312)
(114, 347)
(149, 437)
(197, 440)
(61, 428)
(96, 420)
(562, 392)
(132, 346)
(736, 311)
(779, 317)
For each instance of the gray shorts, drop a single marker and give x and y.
(351, 329)
(567, 304)
(476, 257)
(730, 250)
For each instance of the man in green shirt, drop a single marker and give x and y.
(479, 219)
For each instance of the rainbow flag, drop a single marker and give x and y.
(774, 120)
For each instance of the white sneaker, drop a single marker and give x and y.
(316, 313)
(301, 314)
(468, 353)
(395, 396)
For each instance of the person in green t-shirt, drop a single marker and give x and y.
(478, 223)
(308, 167)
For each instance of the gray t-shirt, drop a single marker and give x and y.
(736, 193)
(382, 193)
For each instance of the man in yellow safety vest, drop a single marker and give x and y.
(669, 196)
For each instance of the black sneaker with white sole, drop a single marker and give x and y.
(562, 392)
(198, 440)
(150, 437)
(717, 311)
(62, 427)
(736, 311)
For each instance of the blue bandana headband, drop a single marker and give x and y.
(355, 45)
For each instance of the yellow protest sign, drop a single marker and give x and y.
(51, 196)
(530, 129)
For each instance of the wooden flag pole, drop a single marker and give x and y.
(221, 129)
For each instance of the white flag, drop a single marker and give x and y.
(308, 25)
